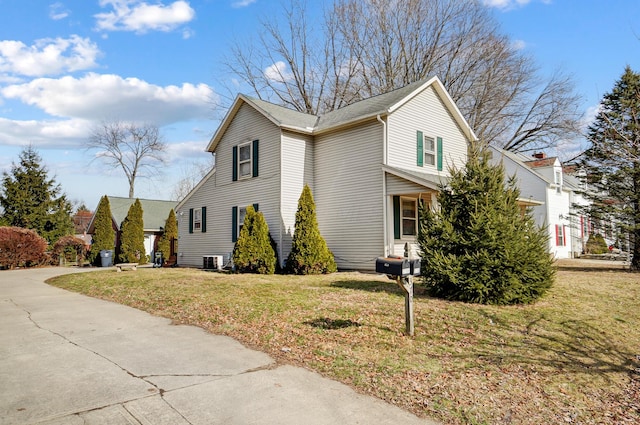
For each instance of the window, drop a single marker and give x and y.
(245, 160)
(560, 235)
(197, 219)
(557, 179)
(409, 217)
(238, 215)
(242, 213)
(429, 151)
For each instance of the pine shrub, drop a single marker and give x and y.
(478, 246)
(309, 252)
(253, 252)
(170, 233)
(104, 237)
(596, 244)
(21, 248)
(132, 238)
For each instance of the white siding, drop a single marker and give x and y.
(428, 114)
(221, 193)
(399, 186)
(349, 196)
(297, 170)
(558, 214)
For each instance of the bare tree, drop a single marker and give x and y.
(367, 47)
(191, 175)
(137, 149)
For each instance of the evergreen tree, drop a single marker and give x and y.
(29, 199)
(170, 233)
(104, 237)
(132, 237)
(309, 252)
(253, 252)
(612, 162)
(478, 246)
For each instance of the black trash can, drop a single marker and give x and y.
(106, 258)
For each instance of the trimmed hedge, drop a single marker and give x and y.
(21, 248)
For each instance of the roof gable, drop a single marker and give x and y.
(372, 107)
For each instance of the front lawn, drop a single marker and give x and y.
(573, 357)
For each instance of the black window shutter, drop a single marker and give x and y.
(190, 220)
(255, 207)
(204, 219)
(235, 163)
(419, 149)
(396, 217)
(255, 158)
(234, 224)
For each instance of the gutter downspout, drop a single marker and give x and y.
(384, 187)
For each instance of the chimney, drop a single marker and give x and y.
(539, 155)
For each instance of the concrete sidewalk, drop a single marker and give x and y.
(69, 359)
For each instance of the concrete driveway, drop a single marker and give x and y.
(69, 359)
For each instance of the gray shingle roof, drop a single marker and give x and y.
(154, 212)
(284, 116)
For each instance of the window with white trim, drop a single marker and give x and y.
(242, 213)
(429, 150)
(560, 236)
(409, 216)
(197, 219)
(245, 163)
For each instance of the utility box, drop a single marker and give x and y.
(398, 266)
(212, 262)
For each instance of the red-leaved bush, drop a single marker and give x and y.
(21, 247)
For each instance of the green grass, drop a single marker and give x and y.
(570, 358)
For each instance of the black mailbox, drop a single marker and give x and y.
(414, 265)
(398, 266)
(393, 266)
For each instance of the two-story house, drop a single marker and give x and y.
(368, 165)
(543, 179)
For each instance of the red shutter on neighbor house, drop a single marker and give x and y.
(557, 235)
(581, 226)
(564, 235)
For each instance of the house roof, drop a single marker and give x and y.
(369, 108)
(542, 162)
(154, 212)
(431, 181)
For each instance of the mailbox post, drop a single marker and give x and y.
(402, 270)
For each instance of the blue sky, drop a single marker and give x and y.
(67, 65)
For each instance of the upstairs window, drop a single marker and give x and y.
(245, 160)
(429, 150)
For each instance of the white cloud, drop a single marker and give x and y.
(278, 72)
(242, 3)
(47, 133)
(57, 11)
(107, 96)
(138, 16)
(47, 56)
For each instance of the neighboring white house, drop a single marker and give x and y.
(543, 179)
(368, 165)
